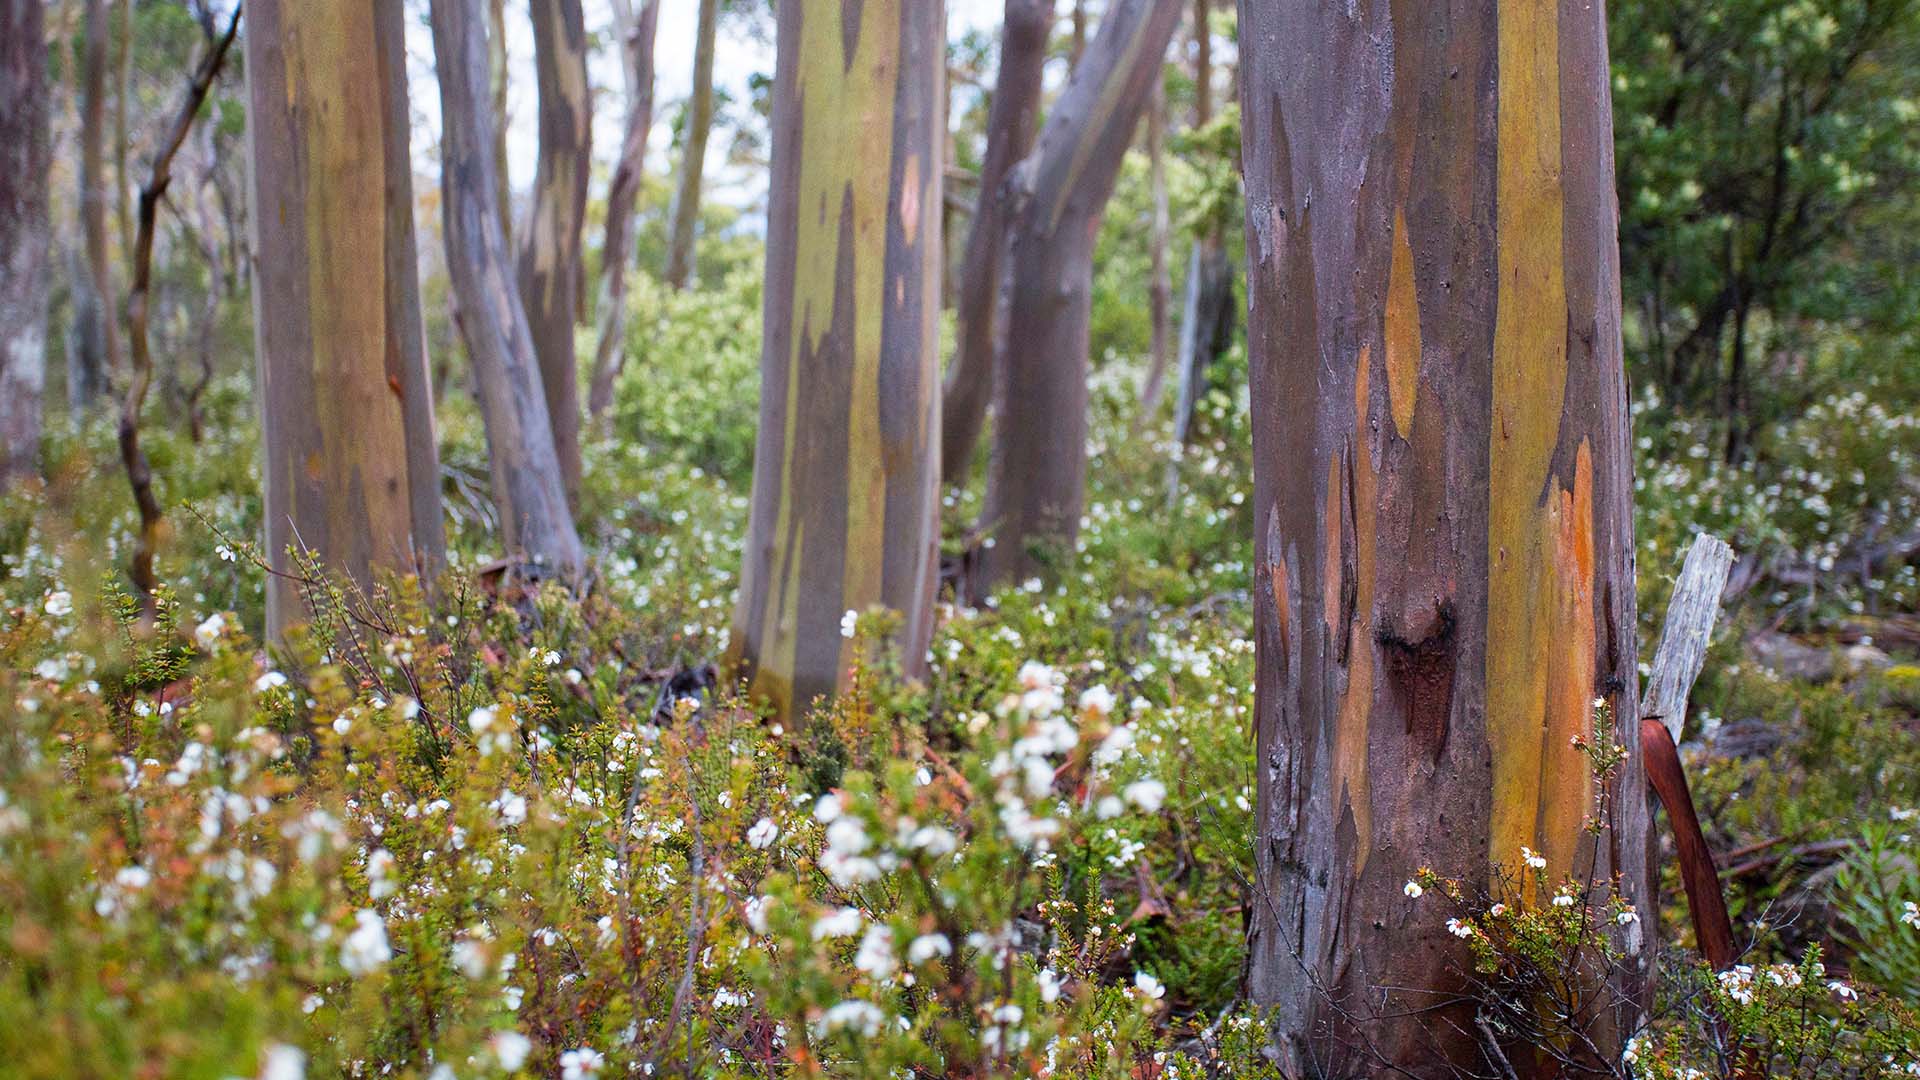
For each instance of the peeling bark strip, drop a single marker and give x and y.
(25, 159)
(549, 272)
(844, 483)
(526, 472)
(1037, 482)
(1441, 470)
(1010, 125)
(342, 366)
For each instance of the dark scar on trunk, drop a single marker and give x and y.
(1420, 665)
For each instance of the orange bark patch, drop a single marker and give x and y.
(1403, 330)
(1356, 699)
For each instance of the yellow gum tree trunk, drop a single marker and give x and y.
(1443, 517)
(844, 484)
(351, 468)
(549, 268)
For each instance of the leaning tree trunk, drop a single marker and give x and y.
(1010, 125)
(1443, 511)
(25, 158)
(351, 472)
(1159, 274)
(636, 50)
(685, 213)
(527, 482)
(96, 333)
(549, 267)
(1037, 480)
(845, 494)
(497, 80)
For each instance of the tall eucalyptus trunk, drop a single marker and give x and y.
(94, 348)
(550, 264)
(25, 159)
(1011, 120)
(352, 473)
(527, 481)
(685, 214)
(1037, 480)
(845, 502)
(1444, 576)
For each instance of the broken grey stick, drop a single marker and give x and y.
(1686, 633)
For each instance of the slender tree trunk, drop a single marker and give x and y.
(845, 494)
(526, 473)
(636, 51)
(351, 472)
(1011, 119)
(1077, 44)
(96, 331)
(1443, 513)
(498, 80)
(1207, 314)
(549, 265)
(25, 160)
(133, 457)
(693, 156)
(1159, 276)
(1037, 480)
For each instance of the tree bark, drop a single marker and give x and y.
(636, 51)
(549, 264)
(122, 88)
(1207, 312)
(351, 470)
(693, 157)
(25, 160)
(1037, 479)
(1011, 119)
(1443, 511)
(527, 481)
(96, 349)
(845, 497)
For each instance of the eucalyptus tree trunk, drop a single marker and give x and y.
(1207, 310)
(95, 347)
(1443, 515)
(845, 499)
(25, 160)
(636, 53)
(685, 214)
(122, 89)
(1011, 119)
(527, 481)
(1036, 483)
(550, 266)
(351, 472)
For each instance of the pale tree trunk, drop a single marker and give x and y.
(351, 472)
(685, 215)
(636, 53)
(497, 83)
(1037, 479)
(1207, 310)
(845, 493)
(527, 481)
(25, 159)
(95, 348)
(123, 86)
(1159, 276)
(549, 265)
(1011, 119)
(1443, 516)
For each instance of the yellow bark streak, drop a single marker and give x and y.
(845, 164)
(1529, 623)
(330, 73)
(1356, 700)
(1403, 330)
